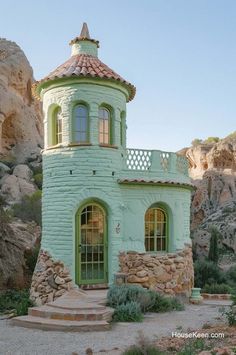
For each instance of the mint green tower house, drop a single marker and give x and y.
(105, 205)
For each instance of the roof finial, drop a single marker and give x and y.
(85, 32)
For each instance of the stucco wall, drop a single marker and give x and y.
(75, 175)
(138, 198)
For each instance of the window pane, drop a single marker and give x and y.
(155, 230)
(104, 126)
(80, 124)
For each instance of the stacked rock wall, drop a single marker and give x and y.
(170, 273)
(51, 280)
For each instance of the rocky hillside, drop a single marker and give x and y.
(21, 130)
(213, 170)
(21, 140)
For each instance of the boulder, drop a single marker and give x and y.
(23, 171)
(14, 188)
(20, 240)
(4, 169)
(21, 116)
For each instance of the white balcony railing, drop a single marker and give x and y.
(156, 160)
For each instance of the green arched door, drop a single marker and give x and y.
(91, 245)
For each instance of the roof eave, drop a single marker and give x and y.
(38, 86)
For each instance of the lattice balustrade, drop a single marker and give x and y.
(165, 160)
(138, 159)
(182, 165)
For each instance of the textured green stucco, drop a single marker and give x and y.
(74, 175)
(84, 47)
(69, 182)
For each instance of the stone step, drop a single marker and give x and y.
(75, 305)
(60, 325)
(83, 314)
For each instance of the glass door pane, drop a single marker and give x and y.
(92, 245)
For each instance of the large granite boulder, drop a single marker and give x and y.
(21, 130)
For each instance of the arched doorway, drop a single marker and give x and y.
(91, 245)
(156, 229)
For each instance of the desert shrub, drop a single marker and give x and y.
(160, 303)
(213, 254)
(193, 347)
(30, 208)
(38, 179)
(231, 317)
(217, 288)
(148, 300)
(36, 169)
(207, 272)
(230, 313)
(123, 294)
(5, 219)
(231, 274)
(231, 135)
(144, 346)
(31, 258)
(128, 312)
(16, 301)
(196, 142)
(212, 140)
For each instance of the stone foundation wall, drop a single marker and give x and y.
(51, 279)
(170, 273)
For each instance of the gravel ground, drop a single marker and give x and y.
(22, 341)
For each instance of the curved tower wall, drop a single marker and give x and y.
(76, 174)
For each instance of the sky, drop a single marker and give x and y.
(180, 55)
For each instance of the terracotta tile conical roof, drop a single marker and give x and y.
(84, 65)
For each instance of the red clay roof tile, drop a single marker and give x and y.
(84, 65)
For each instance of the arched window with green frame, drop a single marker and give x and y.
(156, 229)
(55, 127)
(104, 117)
(80, 129)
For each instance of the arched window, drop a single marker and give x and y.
(156, 229)
(104, 126)
(55, 130)
(80, 124)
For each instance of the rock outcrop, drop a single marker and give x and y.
(18, 184)
(213, 170)
(16, 243)
(21, 130)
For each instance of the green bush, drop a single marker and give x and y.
(15, 300)
(30, 208)
(123, 294)
(217, 288)
(212, 140)
(147, 299)
(128, 312)
(196, 142)
(231, 274)
(38, 179)
(160, 303)
(207, 272)
(193, 347)
(31, 258)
